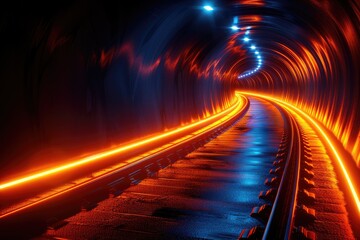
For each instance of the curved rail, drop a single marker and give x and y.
(303, 214)
(160, 153)
(281, 217)
(281, 220)
(351, 175)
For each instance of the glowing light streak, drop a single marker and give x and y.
(252, 2)
(239, 106)
(324, 136)
(112, 152)
(310, 67)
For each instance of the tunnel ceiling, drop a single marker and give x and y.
(311, 60)
(79, 76)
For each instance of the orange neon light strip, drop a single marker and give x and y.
(112, 152)
(240, 106)
(325, 137)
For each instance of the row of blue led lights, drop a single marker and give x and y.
(247, 42)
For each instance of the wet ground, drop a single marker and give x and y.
(209, 194)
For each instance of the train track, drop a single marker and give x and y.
(37, 208)
(290, 211)
(284, 186)
(283, 211)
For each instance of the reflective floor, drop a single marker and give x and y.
(209, 194)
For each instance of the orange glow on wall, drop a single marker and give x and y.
(252, 2)
(238, 104)
(248, 19)
(325, 138)
(308, 72)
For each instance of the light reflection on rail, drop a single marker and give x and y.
(301, 114)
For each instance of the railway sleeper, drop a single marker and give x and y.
(277, 171)
(306, 183)
(308, 165)
(306, 146)
(301, 233)
(305, 214)
(273, 182)
(282, 150)
(136, 177)
(280, 156)
(252, 233)
(54, 224)
(116, 187)
(307, 196)
(268, 195)
(262, 213)
(307, 158)
(114, 192)
(151, 170)
(87, 205)
(280, 162)
(162, 163)
(283, 145)
(307, 173)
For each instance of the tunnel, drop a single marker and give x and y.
(85, 80)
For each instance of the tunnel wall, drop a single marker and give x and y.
(81, 76)
(78, 78)
(312, 56)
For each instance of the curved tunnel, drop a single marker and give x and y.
(77, 78)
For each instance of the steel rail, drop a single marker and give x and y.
(144, 160)
(281, 221)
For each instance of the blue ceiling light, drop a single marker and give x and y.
(208, 8)
(234, 27)
(256, 52)
(236, 20)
